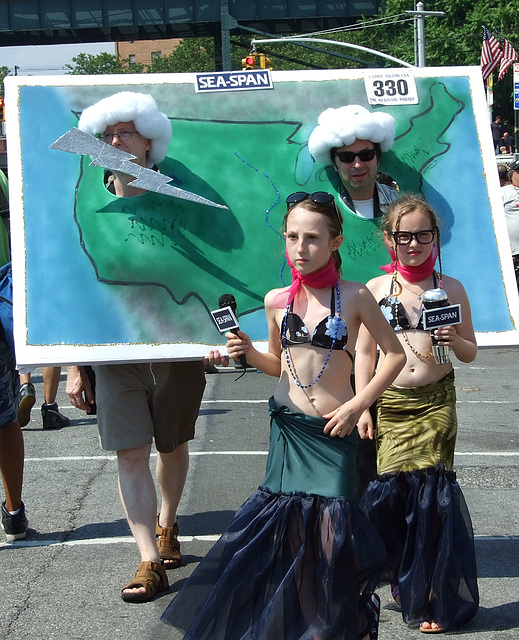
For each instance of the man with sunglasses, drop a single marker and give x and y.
(141, 403)
(352, 140)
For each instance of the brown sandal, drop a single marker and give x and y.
(152, 577)
(169, 546)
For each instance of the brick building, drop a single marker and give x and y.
(144, 51)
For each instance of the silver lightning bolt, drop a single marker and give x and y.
(108, 157)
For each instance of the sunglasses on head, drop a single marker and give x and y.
(319, 197)
(364, 155)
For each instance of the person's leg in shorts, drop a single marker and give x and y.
(136, 403)
(124, 405)
(172, 434)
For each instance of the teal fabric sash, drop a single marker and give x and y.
(303, 459)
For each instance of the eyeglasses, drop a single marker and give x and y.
(124, 136)
(347, 157)
(406, 237)
(319, 197)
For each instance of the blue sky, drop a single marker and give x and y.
(43, 60)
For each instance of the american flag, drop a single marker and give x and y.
(490, 53)
(509, 56)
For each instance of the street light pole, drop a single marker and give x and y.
(419, 44)
(227, 22)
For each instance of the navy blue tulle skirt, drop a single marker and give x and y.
(293, 565)
(423, 519)
(289, 567)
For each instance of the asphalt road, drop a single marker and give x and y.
(64, 580)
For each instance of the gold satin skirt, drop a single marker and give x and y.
(417, 426)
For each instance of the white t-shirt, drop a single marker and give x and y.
(364, 208)
(510, 196)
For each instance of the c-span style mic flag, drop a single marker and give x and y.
(490, 53)
(509, 56)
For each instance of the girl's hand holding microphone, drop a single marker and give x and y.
(237, 345)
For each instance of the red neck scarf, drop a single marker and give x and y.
(411, 274)
(328, 276)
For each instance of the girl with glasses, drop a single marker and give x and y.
(415, 502)
(300, 560)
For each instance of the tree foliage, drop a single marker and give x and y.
(191, 55)
(453, 39)
(102, 63)
(4, 71)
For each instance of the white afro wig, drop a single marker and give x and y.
(342, 126)
(139, 108)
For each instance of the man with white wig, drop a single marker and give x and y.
(131, 122)
(352, 140)
(139, 403)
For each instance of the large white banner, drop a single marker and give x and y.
(104, 279)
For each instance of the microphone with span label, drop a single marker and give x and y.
(228, 300)
(436, 299)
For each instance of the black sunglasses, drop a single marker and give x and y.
(319, 197)
(365, 155)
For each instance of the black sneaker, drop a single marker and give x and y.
(27, 397)
(15, 527)
(52, 418)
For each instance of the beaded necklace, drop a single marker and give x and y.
(335, 322)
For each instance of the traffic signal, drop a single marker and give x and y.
(249, 62)
(265, 63)
(2, 108)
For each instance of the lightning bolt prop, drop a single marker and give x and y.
(108, 157)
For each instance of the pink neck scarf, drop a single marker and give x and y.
(411, 274)
(328, 276)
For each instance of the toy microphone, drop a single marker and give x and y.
(437, 299)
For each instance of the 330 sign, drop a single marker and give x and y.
(392, 87)
(383, 88)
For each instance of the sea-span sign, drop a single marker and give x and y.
(234, 80)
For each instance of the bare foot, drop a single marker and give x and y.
(431, 627)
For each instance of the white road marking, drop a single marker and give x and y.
(129, 539)
(502, 454)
